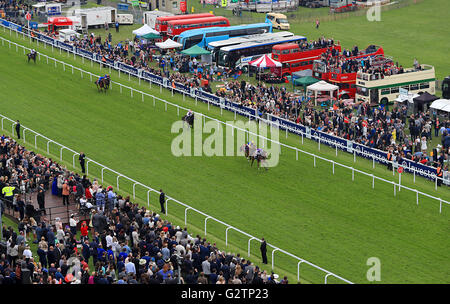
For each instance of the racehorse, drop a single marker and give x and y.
(249, 149)
(189, 119)
(31, 56)
(260, 155)
(102, 83)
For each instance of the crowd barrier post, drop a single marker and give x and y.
(206, 220)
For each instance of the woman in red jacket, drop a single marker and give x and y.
(84, 230)
(88, 193)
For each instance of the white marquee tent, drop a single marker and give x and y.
(168, 44)
(441, 105)
(144, 30)
(322, 86)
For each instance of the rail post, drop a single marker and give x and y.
(206, 219)
(134, 191)
(298, 271)
(185, 216)
(103, 169)
(273, 257)
(252, 238)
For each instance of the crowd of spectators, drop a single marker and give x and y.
(119, 243)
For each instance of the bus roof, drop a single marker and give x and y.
(286, 46)
(248, 38)
(221, 29)
(197, 20)
(264, 42)
(188, 16)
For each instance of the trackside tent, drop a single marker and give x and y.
(441, 105)
(195, 51)
(168, 44)
(144, 30)
(322, 86)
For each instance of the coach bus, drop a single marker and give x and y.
(161, 22)
(376, 89)
(176, 27)
(215, 46)
(202, 37)
(229, 55)
(296, 59)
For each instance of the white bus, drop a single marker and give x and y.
(215, 46)
(376, 90)
(229, 55)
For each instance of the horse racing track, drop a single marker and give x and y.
(328, 219)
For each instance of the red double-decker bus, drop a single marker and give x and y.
(176, 27)
(345, 80)
(161, 22)
(294, 58)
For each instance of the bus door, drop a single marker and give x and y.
(374, 96)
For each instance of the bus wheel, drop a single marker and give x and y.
(345, 96)
(384, 101)
(285, 75)
(245, 69)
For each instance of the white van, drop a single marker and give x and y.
(67, 35)
(279, 21)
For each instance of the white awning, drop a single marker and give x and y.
(168, 44)
(441, 104)
(322, 86)
(144, 30)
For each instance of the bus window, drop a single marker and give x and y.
(395, 90)
(406, 87)
(285, 52)
(426, 85)
(362, 91)
(191, 41)
(414, 87)
(385, 91)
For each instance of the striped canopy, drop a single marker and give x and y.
(265, 62)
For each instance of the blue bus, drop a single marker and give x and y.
(203, 36)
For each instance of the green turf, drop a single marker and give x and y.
(328, 220)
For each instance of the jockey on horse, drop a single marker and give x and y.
(189, 117)
(32, 55)
(260, 156)
(103, 82)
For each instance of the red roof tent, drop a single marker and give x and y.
(59, 21)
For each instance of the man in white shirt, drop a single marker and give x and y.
(129, 266)
(73, 224)
(109, 240)
(27, 254)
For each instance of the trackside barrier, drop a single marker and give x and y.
(187, 207)
(333, 141)
(248, 133)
